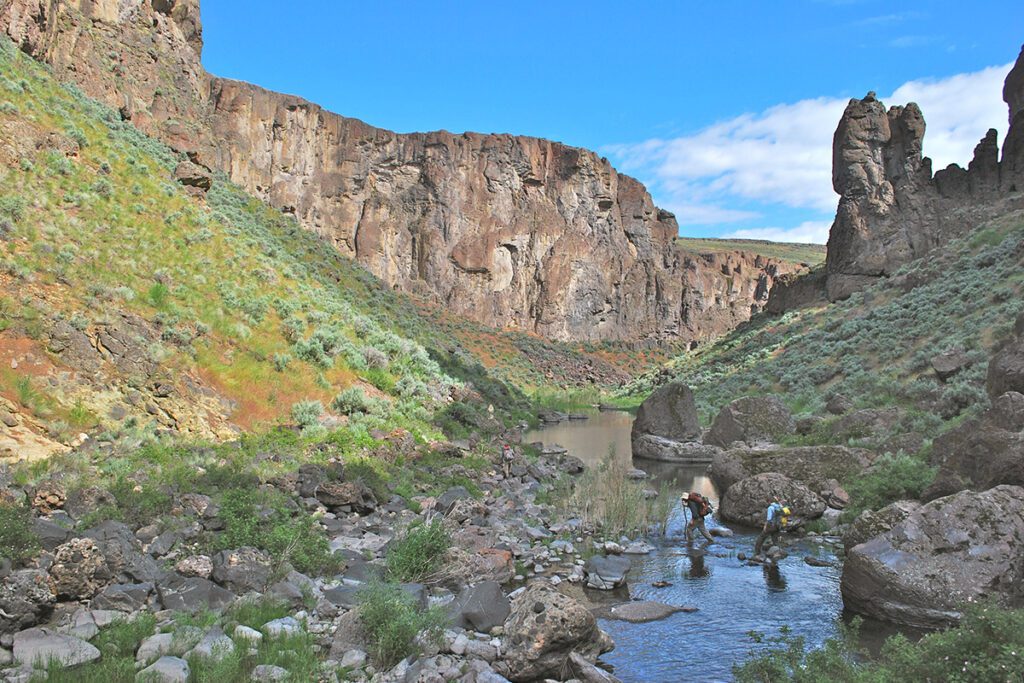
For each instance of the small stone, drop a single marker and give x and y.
(154, 647)
(267, 673)
(353, 659)
(248, 634)
(286, 626)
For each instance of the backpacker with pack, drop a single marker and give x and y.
(703, 503)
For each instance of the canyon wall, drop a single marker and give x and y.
(510, 231)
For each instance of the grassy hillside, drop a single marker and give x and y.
(875, 348)
(811, 254)
(222, 293)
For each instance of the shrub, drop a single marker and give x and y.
(157, 295)
(281, 361)
(307, 413)
(392, 622)
(351, 401)
(12, 207)
(17, 540)
(417, 554)
(891, 478)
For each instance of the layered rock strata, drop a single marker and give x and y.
(510, 231)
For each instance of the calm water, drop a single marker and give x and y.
(733, 599)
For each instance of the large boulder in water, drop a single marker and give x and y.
(747, 500)
(813, 466)
(670, 412)
(544, 629)
(753, 420)
(871, 523)
(961, 548)
(981, 452)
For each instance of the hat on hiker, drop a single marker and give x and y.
(685, 496)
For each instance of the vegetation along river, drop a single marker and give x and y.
(732, 598)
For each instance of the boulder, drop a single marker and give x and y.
(268, 673)
(867, 423)
(814, 466)
(50, 495)
(242, 570)
(1006, 370)
(481, 607)
(41, 647)
(125, 561)
(839, 404)
(753, 420)
(958, 549)
(85, 501)
(347, 494)
(25, 600)
(123, 597)
(588, 672)
(195, 178)
(981, 452)
(49, 533)
(949, 363)
(193, 594)
(670, 412)
(195, 565)
(871, 523)
(544, 629)
(606, 572)
(165, 670)
(746, 501)
(283, 627)
(77, 569)
(446, 501)
(651, 447)
(154, 647)
(215, 646)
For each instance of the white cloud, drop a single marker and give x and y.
(736, 169)
(813, 232)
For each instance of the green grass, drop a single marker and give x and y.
(392, 621)
(418, 554)
(811, 254)
(17, 540)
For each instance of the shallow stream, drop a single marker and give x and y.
(732, 598)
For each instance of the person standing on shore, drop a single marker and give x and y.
(699, 508)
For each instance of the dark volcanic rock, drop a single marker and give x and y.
(813, 466)
(751, 419)
(606, 572)
(1006, 370)
(949, 363)
(670, 412)
(350, 494)
(965, 547)
(872, 523)
(193, 594)
(242, 570)
(747, 500)
(481, 607)
(25, 600)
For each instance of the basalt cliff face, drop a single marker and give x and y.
(892, 209)
(510, 231)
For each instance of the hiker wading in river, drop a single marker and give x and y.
(776, 517)
(699, 507)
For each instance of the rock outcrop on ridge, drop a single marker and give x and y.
(510, 231)
(892, 208)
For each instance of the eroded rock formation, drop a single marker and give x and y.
(892, 209)
(510, 231)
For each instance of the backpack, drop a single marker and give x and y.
(705, 504)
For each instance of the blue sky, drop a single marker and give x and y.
(725, 110)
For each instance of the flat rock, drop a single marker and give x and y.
(642, 612)
(165, 670)
(41, 646)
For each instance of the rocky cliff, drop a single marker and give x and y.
(510, 231)
(892, 209)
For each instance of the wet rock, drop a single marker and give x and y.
(606, 572)
(958, 549)
(752, 420)
(25, 600)
(670, 412)
(242, 570)
(481, 607)
(721, 532)
(543, 629)
(747, 500)
(166, 670)
(77, 569)
(42, 647)
(587, 672)
(643, 611)
(812, 561)
(192, 594)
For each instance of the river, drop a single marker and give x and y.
(732, 598)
